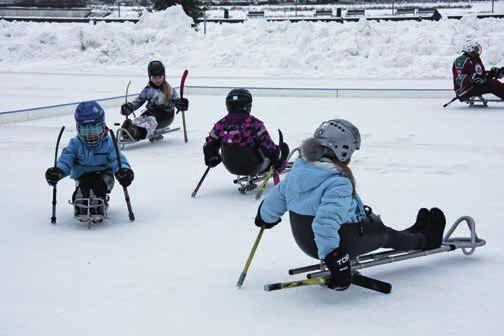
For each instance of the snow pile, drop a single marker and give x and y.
(362, 49)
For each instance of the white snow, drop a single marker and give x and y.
(352, 50)
(173, 271)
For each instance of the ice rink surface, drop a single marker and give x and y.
(173, 271)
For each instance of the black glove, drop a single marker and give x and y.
(125, 176)
(53, 175)
(338, 262)
(478, 80)
(259, 221)
(126, 109)
(496, 72)
(283, 154)
(182, 104)
(213, 161)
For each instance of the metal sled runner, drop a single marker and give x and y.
(124, 137)
(90, 210)
(320, 276)
(480, 101)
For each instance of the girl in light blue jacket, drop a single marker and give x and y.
(328, 219)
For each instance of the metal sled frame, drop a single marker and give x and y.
(89, 208)
(124, 137)
(467, 244)
(248, 183)
(480, 101)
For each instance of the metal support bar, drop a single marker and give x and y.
(467, 244)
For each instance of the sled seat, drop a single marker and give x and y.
(243, 160)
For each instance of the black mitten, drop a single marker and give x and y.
(126, 109)
(260, 222)
(338, 262)
(53, 175)
(125, 176)
(213, 161)
(182, 104)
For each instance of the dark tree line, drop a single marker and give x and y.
(193, 8)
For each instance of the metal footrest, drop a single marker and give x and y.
(124, 137)
(90, 210)
(467, 244)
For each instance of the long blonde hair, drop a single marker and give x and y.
(167, 90)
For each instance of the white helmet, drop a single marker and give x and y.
(339, 135)
(471, 47)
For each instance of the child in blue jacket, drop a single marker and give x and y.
(321, 187)
(90, 157)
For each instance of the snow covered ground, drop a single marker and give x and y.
(173, 271)
(390, 50)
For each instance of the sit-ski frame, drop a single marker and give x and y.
(249, 183)
(468, 245)
(480, 101)
(124, 137)
(91, 208)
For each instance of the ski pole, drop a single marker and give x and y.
(265, 181)
(126, 96)
(200, 182)
(125, 189)
(53, 217)
(271, 171)
(357, 280)
(182, 83)
(457, 96)
(296, 283)
(243, 274)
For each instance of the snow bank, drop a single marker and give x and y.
(362, 49)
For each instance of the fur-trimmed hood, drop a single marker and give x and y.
(311, 150)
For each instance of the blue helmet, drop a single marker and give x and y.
(90, 123)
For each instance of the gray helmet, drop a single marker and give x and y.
(339, 135)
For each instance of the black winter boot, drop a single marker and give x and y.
(434, 229)
(130, 128)
(421, 221)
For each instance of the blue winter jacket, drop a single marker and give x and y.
(317, 189)
(78, 158)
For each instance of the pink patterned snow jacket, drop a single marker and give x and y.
(242, 130)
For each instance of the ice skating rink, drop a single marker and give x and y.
(173, 271)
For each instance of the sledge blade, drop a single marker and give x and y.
(372, 284)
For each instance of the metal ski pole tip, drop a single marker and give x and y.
(241, 279)
(272, 287)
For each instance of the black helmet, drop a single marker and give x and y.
(156, 68)
(239, 101)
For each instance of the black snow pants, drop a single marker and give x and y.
(357, 238)
(100, 182)
(491, 86)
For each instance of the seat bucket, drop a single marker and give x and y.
(243, 160)
(302, 231)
